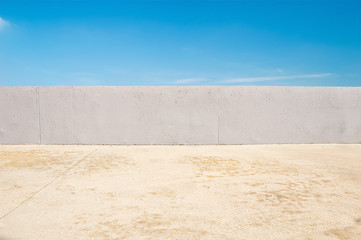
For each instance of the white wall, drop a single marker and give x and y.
(179, 115)
(19, 115)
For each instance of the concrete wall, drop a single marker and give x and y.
(250, 115)
(128, 115)
(19, 115)
(179, 115)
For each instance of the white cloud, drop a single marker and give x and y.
(279, 70)
(188, 80)
(3, 23)
(351, 75)
(261, 79)
(84, 74)
(87, 81)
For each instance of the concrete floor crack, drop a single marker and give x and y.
(49, 183)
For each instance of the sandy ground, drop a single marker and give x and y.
(180, 192)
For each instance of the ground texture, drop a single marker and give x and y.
(180, 192)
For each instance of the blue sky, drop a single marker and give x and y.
(269, 43)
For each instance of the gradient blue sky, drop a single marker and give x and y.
(285, 42)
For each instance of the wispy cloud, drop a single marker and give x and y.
(261, 79)
(351, 75)
(84, 74)
(3, 23)
(188, 80)
(87, 81)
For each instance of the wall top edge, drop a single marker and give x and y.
(308, 87)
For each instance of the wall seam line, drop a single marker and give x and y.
(72, 113)
(218, 93)
(39, 121)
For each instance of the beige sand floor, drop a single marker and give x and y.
(180, 192)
